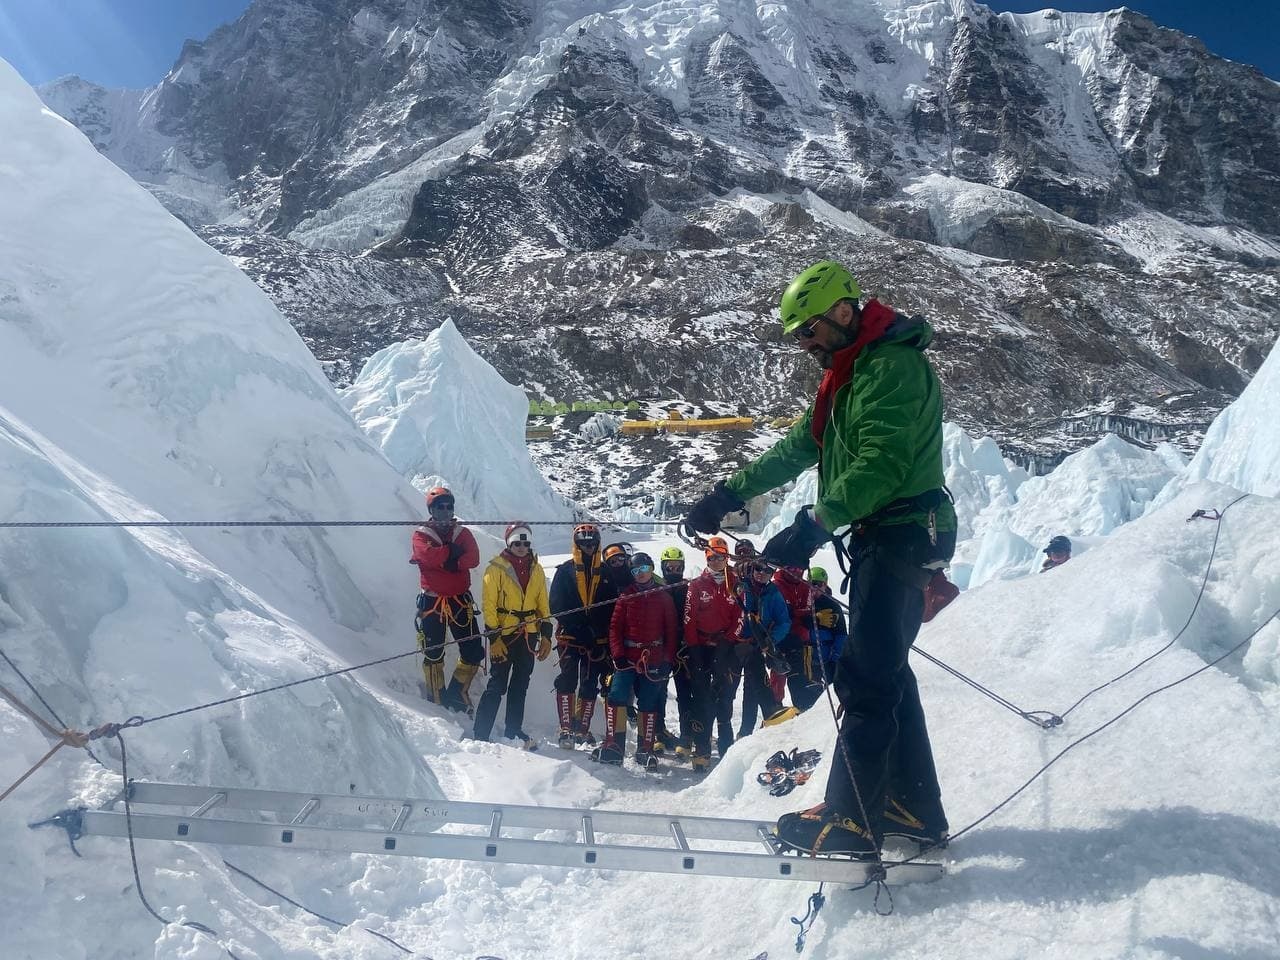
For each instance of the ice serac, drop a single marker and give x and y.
(142, 376)
(1242, 446)
(1089, 495)
(441, 414)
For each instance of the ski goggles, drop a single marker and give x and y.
(642, 568)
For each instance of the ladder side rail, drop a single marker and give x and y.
(461, 812)
(483, 850)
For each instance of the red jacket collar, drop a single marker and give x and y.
(876, 319)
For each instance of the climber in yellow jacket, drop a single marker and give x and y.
(518, 619)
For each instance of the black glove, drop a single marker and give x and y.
(794, 546)
(545, 629)
(456, 550)
(621, 663)
(742, 651)
(705, 515)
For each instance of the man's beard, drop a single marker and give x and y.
(824, 356)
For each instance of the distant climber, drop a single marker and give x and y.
(445, 554)
(582, 637)
(1057, 553)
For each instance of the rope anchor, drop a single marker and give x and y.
(70, 820)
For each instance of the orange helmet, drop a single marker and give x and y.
(615, 550)
(717, 545)
(586, 536)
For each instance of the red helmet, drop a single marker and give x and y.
(518, 532)
(435, 493)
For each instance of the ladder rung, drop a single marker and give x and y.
(769, 840)
(401, 817)
(208, 805)
(307, 809)
(678, 833)
(588, 832)
(495, 825)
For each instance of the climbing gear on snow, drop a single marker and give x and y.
(783, 771)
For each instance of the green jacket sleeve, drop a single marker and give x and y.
(884, 407)
(786, 460)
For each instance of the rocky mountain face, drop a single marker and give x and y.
(608, 201)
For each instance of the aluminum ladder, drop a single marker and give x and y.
(429, 828)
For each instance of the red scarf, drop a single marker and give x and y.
(876, 319)
(522, 566)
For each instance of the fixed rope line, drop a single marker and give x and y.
(52, 712)
(330, 920)
(133, 859)
(64, 738)
(139, 721)
(1096, 730)
(1217, 516)
(1045, 719)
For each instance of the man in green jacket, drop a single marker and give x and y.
(874, 431)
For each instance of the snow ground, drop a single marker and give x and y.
(132, 391)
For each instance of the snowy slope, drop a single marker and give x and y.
(441, 414)
(143, 377)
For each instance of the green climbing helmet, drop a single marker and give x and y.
(815, 291)
(817, 575)
(673, 554)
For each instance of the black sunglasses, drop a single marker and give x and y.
(441, 506)
(810, 330)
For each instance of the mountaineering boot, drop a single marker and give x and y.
(701, 762)
(582, 731)
(615, 737)
(664, 740)
(820, 830)
(782, 715)
(457, 696)
(644, 755)
(433, 675)
(683, 749)
(564, 713)
(523, 738)
(929, 829)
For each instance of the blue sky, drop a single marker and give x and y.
(132, 43)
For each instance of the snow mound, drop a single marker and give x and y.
(443, 415)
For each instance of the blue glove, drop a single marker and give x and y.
(794, 546)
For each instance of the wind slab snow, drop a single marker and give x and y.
(141, 376)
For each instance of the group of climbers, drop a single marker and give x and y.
(874, 434)
(625, 634)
